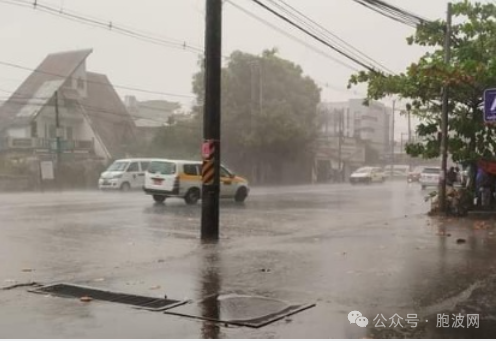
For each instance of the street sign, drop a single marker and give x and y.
(207, 149)
(490, 105)
(47, 170)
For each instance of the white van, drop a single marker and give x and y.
(124, 175)
(178, 178)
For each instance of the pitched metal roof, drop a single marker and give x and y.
(39, 87)
(108, 115)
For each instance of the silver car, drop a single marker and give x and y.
(430, 177)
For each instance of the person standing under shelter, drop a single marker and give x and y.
(451, 177)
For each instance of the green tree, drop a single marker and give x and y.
(472, 69)
(180, 140)
(268, 113)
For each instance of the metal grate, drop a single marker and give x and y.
(76, 291)
(239, 310)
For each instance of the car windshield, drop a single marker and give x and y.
(229, 172)
(431, 170)
(118, 166)
(162, 167)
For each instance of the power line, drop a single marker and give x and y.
(323, 41)
(330, 36)
(304, 43)
(123, 87)
(274, 27)
(107, 25)
(393, 12)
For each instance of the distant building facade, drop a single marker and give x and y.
(351, 135)
(61, 100)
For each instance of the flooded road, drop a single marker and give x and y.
(346, 248)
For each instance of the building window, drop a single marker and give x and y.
(69, 133)
(34, 129)
(52, 132)
(80, 83)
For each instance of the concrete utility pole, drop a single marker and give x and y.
(211, 121)
(409, 136)
(392, 138)
(340, 145)
(444, 116)
(57, 137)
(409, 126)
(255, 105)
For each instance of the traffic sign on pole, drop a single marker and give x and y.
(490, 106)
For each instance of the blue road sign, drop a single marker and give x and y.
(490, 105)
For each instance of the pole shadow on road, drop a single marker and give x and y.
(180, 209)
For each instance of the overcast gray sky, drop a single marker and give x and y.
(28, 35)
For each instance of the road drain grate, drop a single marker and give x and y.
(140, 302)
(239, 310)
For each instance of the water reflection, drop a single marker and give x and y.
(210, 284)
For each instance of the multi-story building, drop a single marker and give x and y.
(370, 124)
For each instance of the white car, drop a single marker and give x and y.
(177, 178)
(124, 175)
(430, 177)
(367, 175)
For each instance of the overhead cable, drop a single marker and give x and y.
(316, 37)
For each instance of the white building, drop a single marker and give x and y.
(367, 123)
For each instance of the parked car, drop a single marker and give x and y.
(176, 178)
(397, 171)
(367, 175)
(414, 175)
(396, 174)
(124, 175)
(430, 177)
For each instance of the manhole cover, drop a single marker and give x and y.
(76, 291)
(241, 310)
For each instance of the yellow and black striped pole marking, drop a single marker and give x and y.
(208, 172)
(208, 151)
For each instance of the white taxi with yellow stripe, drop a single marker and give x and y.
(179, 178)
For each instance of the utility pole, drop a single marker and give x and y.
(444, 116)
(252, 93)
(57, 137)
(211, 121)
(340, 145)
(409, 126)
(392, 138)
(409, 136)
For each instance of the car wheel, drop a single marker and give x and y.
(159, 199)
(125, 187)
(192, 196)
(241, 195)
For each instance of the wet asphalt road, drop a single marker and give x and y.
(369, 248)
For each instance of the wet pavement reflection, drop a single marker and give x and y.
(210, 282)
(366, 248)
